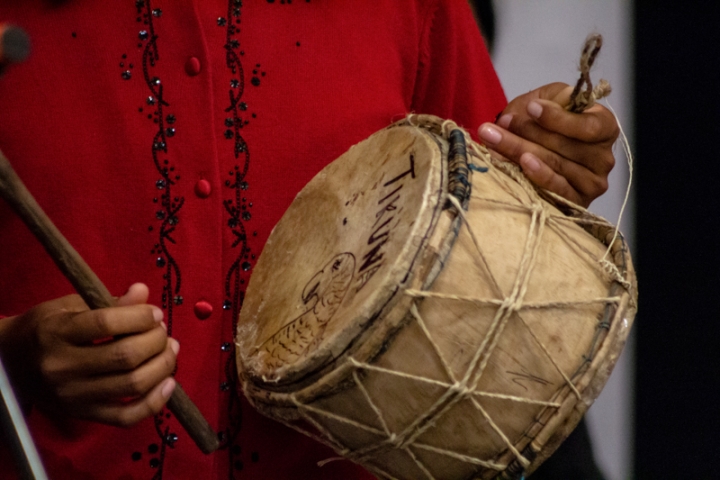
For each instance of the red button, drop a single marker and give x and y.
(203, 310)
(192, 66)
(203, 188)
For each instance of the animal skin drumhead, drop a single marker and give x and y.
(349, 239)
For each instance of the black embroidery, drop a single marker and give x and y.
(170, 205)
(126, 71)
(167, 205)
(237, 208)
(167, 208)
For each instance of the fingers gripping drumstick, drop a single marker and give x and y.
(91, 289)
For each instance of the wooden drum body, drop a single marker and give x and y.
(429, 314)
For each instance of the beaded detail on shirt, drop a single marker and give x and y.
(239, 216)
(167, 205)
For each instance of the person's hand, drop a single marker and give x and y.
(567, 153)
(110, 365)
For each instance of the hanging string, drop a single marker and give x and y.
(629, 158)
(582, 99)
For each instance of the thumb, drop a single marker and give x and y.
(551, 91)
(556, 92)
(562, 97)
(137, 294)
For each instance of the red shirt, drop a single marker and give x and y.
(166, 138)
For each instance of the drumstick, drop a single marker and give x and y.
(91, 289)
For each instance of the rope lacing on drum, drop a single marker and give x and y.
(508, 306)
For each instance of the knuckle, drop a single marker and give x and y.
(142, 312)
(132, 414)
(555, 164)
(52, 370)
(583, 200)
(101, 322)
(555, 182)
(554, 87)
(594, 127)
(135, 385)
(515, 105)
(515, 150)
(568, 146)
(600, 185)
(125, 418)
(42, 311)
(608, 163)
(68, 395)
(154, 405)
(124, 356)
(520, 126)
(64, 394)
(170, 361)
(73, 303)
(49, 326)
(594, 187)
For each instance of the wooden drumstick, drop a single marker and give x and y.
(91, 289)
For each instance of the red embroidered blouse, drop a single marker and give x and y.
(165, 138)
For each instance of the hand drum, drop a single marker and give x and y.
(428, 313)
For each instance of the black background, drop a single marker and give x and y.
(677, 91)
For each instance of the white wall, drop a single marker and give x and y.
(538, 42)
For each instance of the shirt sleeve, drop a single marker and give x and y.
(456, 79)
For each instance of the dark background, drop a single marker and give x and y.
(677, 125)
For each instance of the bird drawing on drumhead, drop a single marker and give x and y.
(323, 295)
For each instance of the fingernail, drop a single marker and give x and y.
(175, 345)
(157, 314)
(534, 109)
(505, 120)
(529, 162)
(163, 325)
(490, 134)
(129, 288)
(168, 388)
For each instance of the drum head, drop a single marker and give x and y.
(344, 248)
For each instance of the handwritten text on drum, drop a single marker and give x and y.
(373, 259)
(325, 291)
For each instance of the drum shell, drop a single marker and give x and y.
(406, 371)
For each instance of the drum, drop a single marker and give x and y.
(429, 314)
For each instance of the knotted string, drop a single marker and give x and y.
(582, 99)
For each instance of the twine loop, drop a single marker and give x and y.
(582, 99)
